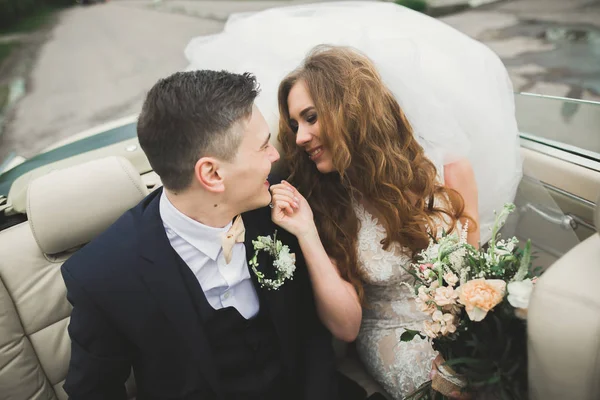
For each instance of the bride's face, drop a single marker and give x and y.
(305, 123)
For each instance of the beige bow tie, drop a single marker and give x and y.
(234, 235)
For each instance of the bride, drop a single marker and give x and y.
(376, 199)
(384, 137)
(454, 91)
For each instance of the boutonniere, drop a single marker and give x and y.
(284, 262)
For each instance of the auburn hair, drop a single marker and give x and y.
(375, 157)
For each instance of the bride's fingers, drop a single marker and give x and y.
(295, 191)
(290, 187)
(285, 194)
(283, 203)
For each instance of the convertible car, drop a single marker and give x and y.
(56, 202)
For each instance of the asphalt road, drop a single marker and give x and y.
(96, 66)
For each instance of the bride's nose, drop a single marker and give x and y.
(303, 136)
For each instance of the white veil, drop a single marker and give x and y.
(455, 92)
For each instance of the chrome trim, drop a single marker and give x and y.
(560, 154)
(566, 194)
(582, 101)
(561, 146)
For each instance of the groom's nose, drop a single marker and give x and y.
(273, 155)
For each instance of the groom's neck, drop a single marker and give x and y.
(202, 207)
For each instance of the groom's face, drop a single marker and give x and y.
(246, 186)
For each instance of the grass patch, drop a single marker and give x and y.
(6, 49)
(40, 17)
(417, 5)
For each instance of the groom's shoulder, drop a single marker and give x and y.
(114, 250)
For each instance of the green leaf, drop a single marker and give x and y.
(525, 263)
(409, 335)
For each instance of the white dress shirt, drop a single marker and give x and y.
(225, 285)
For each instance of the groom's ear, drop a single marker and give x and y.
(208, 173)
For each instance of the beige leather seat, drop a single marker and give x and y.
(65, 210)
(564, 326)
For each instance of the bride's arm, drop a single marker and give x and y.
(337, 302)
(459, 176)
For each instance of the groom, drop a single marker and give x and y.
(167, 291)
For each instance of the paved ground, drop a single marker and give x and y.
(99, 61)
(550, 47)
(97, 66)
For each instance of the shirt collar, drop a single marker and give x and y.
(204, 238)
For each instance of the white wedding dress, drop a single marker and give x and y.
(454, 90)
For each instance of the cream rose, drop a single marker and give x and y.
(446, 322)
(445, 296)
(424, 301)
(480, 295)
(431, 328)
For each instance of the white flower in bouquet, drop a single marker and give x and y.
(432, 329)
(451, 279)
(425, 302)
(441, 324)
(519, 294)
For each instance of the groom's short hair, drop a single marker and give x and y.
(190, 115)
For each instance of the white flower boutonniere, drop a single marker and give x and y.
(284, 262)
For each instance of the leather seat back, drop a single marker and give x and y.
(564, 326)
(65, 209)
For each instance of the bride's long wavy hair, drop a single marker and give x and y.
(374, 153)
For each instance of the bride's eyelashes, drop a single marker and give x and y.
(311, 119)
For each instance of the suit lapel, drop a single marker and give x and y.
(162, 278)
(257, 223)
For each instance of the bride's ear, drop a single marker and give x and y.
(208, 172)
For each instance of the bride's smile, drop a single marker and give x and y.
(304, 123)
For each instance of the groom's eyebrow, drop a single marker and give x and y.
(266, 141)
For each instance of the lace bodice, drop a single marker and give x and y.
(389, 309)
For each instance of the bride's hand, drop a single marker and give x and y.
(291, 210)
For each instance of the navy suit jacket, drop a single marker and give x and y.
(131, 309)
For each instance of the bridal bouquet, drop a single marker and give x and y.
(476, 301)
